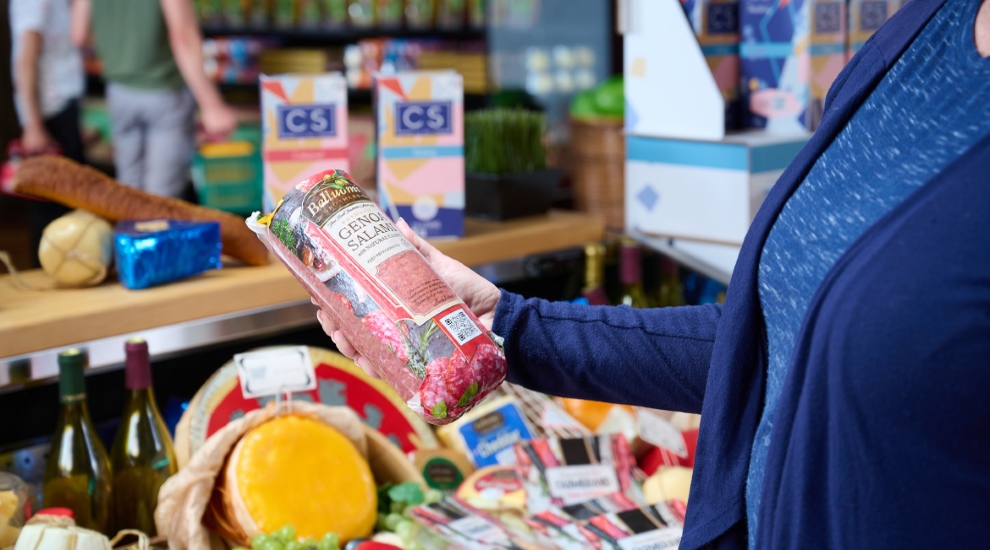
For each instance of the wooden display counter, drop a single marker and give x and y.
(37, 321)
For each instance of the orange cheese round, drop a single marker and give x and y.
(297, 471)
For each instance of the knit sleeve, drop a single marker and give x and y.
(656, 357)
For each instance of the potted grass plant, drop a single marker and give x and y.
(506, 164)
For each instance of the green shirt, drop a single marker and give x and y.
(131, 40)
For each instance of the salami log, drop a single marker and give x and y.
(67, 182)
(385, 297)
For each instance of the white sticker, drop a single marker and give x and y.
(661, 539)
(273, 371)
(574, 484)
(655, 430)
(460, 326)
(478, 529)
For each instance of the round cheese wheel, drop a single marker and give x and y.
(76, 249)
(670, 483)
(294, 470)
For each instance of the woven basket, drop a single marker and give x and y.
(598, 158)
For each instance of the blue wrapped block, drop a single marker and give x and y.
(154, 252)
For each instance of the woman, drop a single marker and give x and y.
(842, 385)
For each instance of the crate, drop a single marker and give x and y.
(229, 176)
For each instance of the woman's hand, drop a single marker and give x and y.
(478, 293)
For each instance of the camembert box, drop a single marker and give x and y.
(304, 123)
(420, 137)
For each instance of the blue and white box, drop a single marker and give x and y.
(703, 190)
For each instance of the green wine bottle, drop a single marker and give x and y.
(631, 275)
(77, 474)
(670, 291)
(142, 455)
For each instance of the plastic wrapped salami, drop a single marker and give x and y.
(385, 297)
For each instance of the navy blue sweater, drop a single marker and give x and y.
(882, 435)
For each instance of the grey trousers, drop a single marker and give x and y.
(153, 137)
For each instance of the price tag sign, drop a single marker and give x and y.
(657, 431)
(273, 371)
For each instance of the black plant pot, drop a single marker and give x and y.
(508, 196)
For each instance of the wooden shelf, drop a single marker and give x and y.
(40, 321)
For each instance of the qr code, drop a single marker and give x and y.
(460, 326)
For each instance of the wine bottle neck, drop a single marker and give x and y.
(630, 270)
(137, 371)
(74, 411)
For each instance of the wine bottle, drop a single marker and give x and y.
(77, 475)
(594, 274)
(631, 275)
(142, 455)
(670, 291)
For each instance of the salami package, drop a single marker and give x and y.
(385, 297)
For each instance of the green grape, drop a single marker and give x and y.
(286, 533)
(404, 529)
(330, 541)
(258, 540)
(380, 522)
(270, 544)
(294, 545)
(392, 520)
(239, 548)
(433, 496)
(309, 543)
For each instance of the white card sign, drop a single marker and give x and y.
(657, 431)
(276, 370)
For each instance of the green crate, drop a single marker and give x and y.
(230, 183)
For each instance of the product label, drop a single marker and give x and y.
(275, 371)
(478, 529)
(661, 539)
(392, 265)
(442, 474)
(573, 484)
(656, 431)
(306, 121)
(490, 438)
(498, 484)
(423, 117)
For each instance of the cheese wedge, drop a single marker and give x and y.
(294, 470)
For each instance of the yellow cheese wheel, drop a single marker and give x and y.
(297, 471)
(669, 483)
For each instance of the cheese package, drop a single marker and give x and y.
(656, 527)
(420, 129)
(442, 469)
(488, 433)
(562, 472)
(304, 123)
(557, 526)
(461, 525)
(153, 252)
(494, 488)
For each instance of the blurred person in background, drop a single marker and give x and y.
(152, 56)
(47, 72)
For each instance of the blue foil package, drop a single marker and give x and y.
(154, 252)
